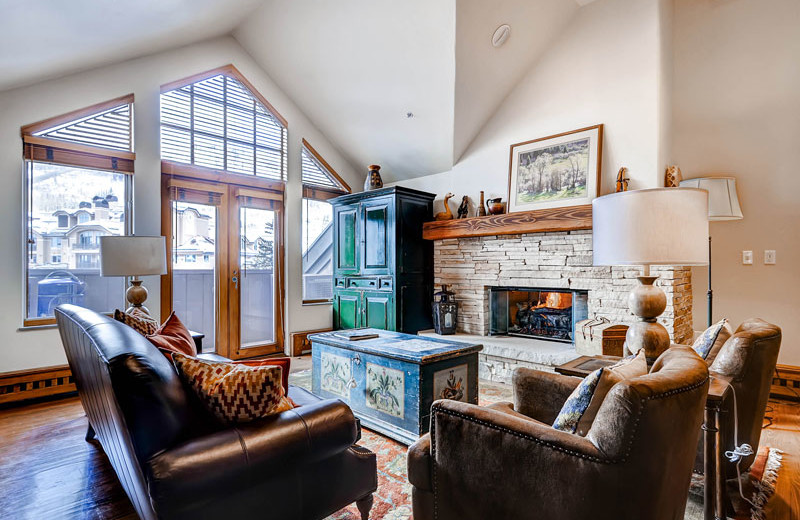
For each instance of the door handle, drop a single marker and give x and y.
(235, 279)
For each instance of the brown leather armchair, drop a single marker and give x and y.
(174, 461)
(749, 357)
(507, 462)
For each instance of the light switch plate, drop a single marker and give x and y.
(769, 257)
(747, 257)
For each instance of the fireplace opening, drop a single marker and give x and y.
(536, 313)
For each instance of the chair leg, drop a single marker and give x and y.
(90, 435)
(364, 505)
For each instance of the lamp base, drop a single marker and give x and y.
(136, 296)
(647, 302)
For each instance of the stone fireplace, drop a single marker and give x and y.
(557, 260)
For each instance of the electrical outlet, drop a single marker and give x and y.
(747, 257)
(769, 257)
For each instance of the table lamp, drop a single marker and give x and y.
(723, 204)
(133, 256)
(661, 226)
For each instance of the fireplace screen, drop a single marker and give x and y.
(537, 313)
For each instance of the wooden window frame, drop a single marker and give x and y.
(229, 186)
(37, 149)
(321, 193)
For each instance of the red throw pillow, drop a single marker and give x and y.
(284, 362)
(233, 392)
(172, 335)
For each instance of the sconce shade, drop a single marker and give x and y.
(132, 256)
(661, 226)
(723, 201)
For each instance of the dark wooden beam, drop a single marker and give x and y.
(536, 221)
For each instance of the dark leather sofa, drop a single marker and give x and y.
(175, 462)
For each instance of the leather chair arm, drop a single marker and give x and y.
(540, 395)
(220, 463)
(419, 463)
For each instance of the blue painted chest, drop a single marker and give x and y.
(391, 381)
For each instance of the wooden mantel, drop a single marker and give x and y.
(536, 221)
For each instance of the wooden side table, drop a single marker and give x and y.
(718, 390)
(714, 478)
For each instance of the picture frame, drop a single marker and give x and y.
(555, 171)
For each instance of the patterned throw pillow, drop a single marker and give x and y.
(234, 393)
(577, 403)
(705, 343)
(138, 320)
(581, 407)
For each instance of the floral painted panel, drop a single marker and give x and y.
(336, 374)
(385, 389)
(451, 383)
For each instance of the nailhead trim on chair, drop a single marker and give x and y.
(437, 409)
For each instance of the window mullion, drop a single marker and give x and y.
(255, 130)
(191, 123)
(225, 123)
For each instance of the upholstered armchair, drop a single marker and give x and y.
(749, 358)
(506, 461)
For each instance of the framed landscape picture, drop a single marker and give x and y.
(556, 171)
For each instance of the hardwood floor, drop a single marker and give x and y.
(48, 471)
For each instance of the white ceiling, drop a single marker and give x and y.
(355, 67)
(41, 39)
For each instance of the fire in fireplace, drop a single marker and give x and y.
(537, 313)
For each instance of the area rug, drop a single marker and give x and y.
(393, 497)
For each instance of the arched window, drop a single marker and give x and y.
(218, 121)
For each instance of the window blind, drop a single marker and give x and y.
(98, 137)
(111, 129)
(315, 175)
(217, 123)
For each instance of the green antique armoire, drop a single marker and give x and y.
(382, 267)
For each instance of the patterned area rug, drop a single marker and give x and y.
(393, 498)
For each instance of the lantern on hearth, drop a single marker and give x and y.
(445, 312)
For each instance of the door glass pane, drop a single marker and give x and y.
(317, 250)
(69, 209)
(194, 268)
(257, 277)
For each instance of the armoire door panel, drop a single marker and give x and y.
(346, 254)
(377, 246)
(347, 310)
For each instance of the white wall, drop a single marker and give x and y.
(604, 68)
(37, 348)
(736, 109)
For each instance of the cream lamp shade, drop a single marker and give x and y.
(132, 256)
(661, 226)
(723, 201)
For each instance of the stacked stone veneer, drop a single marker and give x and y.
(557, 261)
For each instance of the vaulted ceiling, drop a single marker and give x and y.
(405, 84)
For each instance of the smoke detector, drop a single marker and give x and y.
(500, 35)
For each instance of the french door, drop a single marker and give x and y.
(225, 272)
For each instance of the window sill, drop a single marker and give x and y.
(308, 303)
(45, 326)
